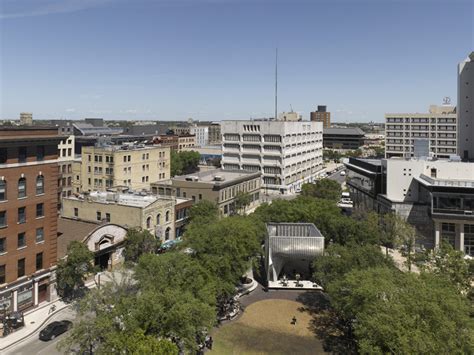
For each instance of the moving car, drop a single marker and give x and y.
(52, 330)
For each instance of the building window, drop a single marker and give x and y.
(40, 153)
(158, 217)
(200, 196)
(21, 187)
(167, 216)
(39, 210)
(21, 267)
(167, 233)
(3, 190)
(39, 261)
(3, 245)
(22, 154)
(2, 274)
(433, 172)
(469, 239)
(76, 212)
(39, 235)
(3, 218)
(99, 216)
(3, 155)
(21, 240)
(40, 185)
(148, 222)
(107, 217)
(21, 215)
(448, 233)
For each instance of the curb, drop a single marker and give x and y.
(36, 330)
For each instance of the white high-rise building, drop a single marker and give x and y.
(465, 108)
(202, 135)
(287, 153)
(437, 128)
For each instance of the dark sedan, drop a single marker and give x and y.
(52, 330)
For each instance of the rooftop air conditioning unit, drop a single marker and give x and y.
(219, 178)
(468, 212)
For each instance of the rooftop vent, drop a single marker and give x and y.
(192, 178)
(219, 178)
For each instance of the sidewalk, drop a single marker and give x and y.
(34, 320)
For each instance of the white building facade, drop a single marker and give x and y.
(202, 135)
(438, 128)
(287, 154)
(466, 108)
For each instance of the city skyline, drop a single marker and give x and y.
(214, 60)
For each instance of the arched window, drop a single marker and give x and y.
(21, 187)
(3, 190)
(158, 217)
(167, 216)
(40, 185)
(148, 222)
(167, 233)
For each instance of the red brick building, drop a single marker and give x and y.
(28, 215)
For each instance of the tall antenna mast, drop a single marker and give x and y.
(276, 83)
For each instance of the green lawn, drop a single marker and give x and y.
(265, 328)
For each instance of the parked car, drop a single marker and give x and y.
(52, 330)
(343, 172)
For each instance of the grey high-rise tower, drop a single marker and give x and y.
(465, 109)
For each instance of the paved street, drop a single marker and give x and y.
(33, 345)
(337, 177)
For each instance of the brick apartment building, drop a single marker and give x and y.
(28, 215)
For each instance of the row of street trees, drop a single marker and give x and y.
(166, 302)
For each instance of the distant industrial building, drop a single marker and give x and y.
(437, 128)
(26, 119)
(465, 108)
(343, 138)
(321, 115)
(287, 154)
(215, 136)
(290, 116)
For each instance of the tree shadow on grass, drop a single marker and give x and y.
(325, 324)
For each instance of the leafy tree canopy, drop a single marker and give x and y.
(338, 260)
(185, 162)
(403, 313)
(225, 247)
(323, 188)
(139, 242)
(73, 270)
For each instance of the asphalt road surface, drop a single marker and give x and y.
(33, 345)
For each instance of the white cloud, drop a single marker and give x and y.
(70, 110)
(27, 8)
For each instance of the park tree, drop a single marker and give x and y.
(225, 248)
(242, 201)
(185, 162)
(176, 271)
(203, 211)
(451, 264)
(324, 189)
(338, 260)
(139, 242)
(73, 270)
(403, 313)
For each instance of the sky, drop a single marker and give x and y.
(215, 59)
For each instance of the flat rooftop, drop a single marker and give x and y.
(124, 199)
(209, 176)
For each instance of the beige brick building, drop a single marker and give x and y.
(156, 214)
(133, 166)
(218, 186)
